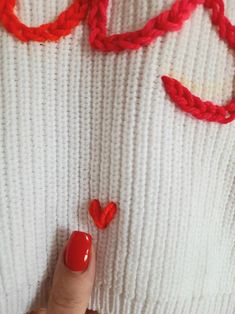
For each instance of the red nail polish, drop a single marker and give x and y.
(77, 251)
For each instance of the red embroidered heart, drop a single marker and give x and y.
(102, 217)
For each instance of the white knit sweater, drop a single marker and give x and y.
(76, 124)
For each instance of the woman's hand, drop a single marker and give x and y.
(73, 278)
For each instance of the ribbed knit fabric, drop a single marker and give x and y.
(76, 124)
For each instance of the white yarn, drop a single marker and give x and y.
(76, 124)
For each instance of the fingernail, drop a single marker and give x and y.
(77, 251)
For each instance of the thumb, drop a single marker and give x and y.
(74, 276)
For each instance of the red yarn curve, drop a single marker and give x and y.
(167, 21)
(225, 28)
(183, 98)
(62, 26)
(202, 110)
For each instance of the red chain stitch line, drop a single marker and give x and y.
(183, 98)
(62, 26)
(225, 28)
(203, 110)
(168, 21)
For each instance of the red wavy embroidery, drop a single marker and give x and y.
(206, 110)
(62, 26)
(225, 28)
(203, 110)
(168, 21)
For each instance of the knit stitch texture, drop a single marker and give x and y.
(78, 124)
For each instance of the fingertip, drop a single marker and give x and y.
(74, 276)
(77, 253)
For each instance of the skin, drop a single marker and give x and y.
(71, 290)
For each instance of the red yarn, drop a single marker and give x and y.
(168, 21)
(62, 26)
(203, 110)
(206, 110)
(102, 218)
(218, 18)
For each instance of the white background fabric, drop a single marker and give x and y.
(76, 124)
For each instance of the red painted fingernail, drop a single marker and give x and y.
(77, 251)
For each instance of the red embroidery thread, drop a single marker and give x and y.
(225, 28)
(203, 110)
(102, 218)
(62, 26)
(168, 21)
